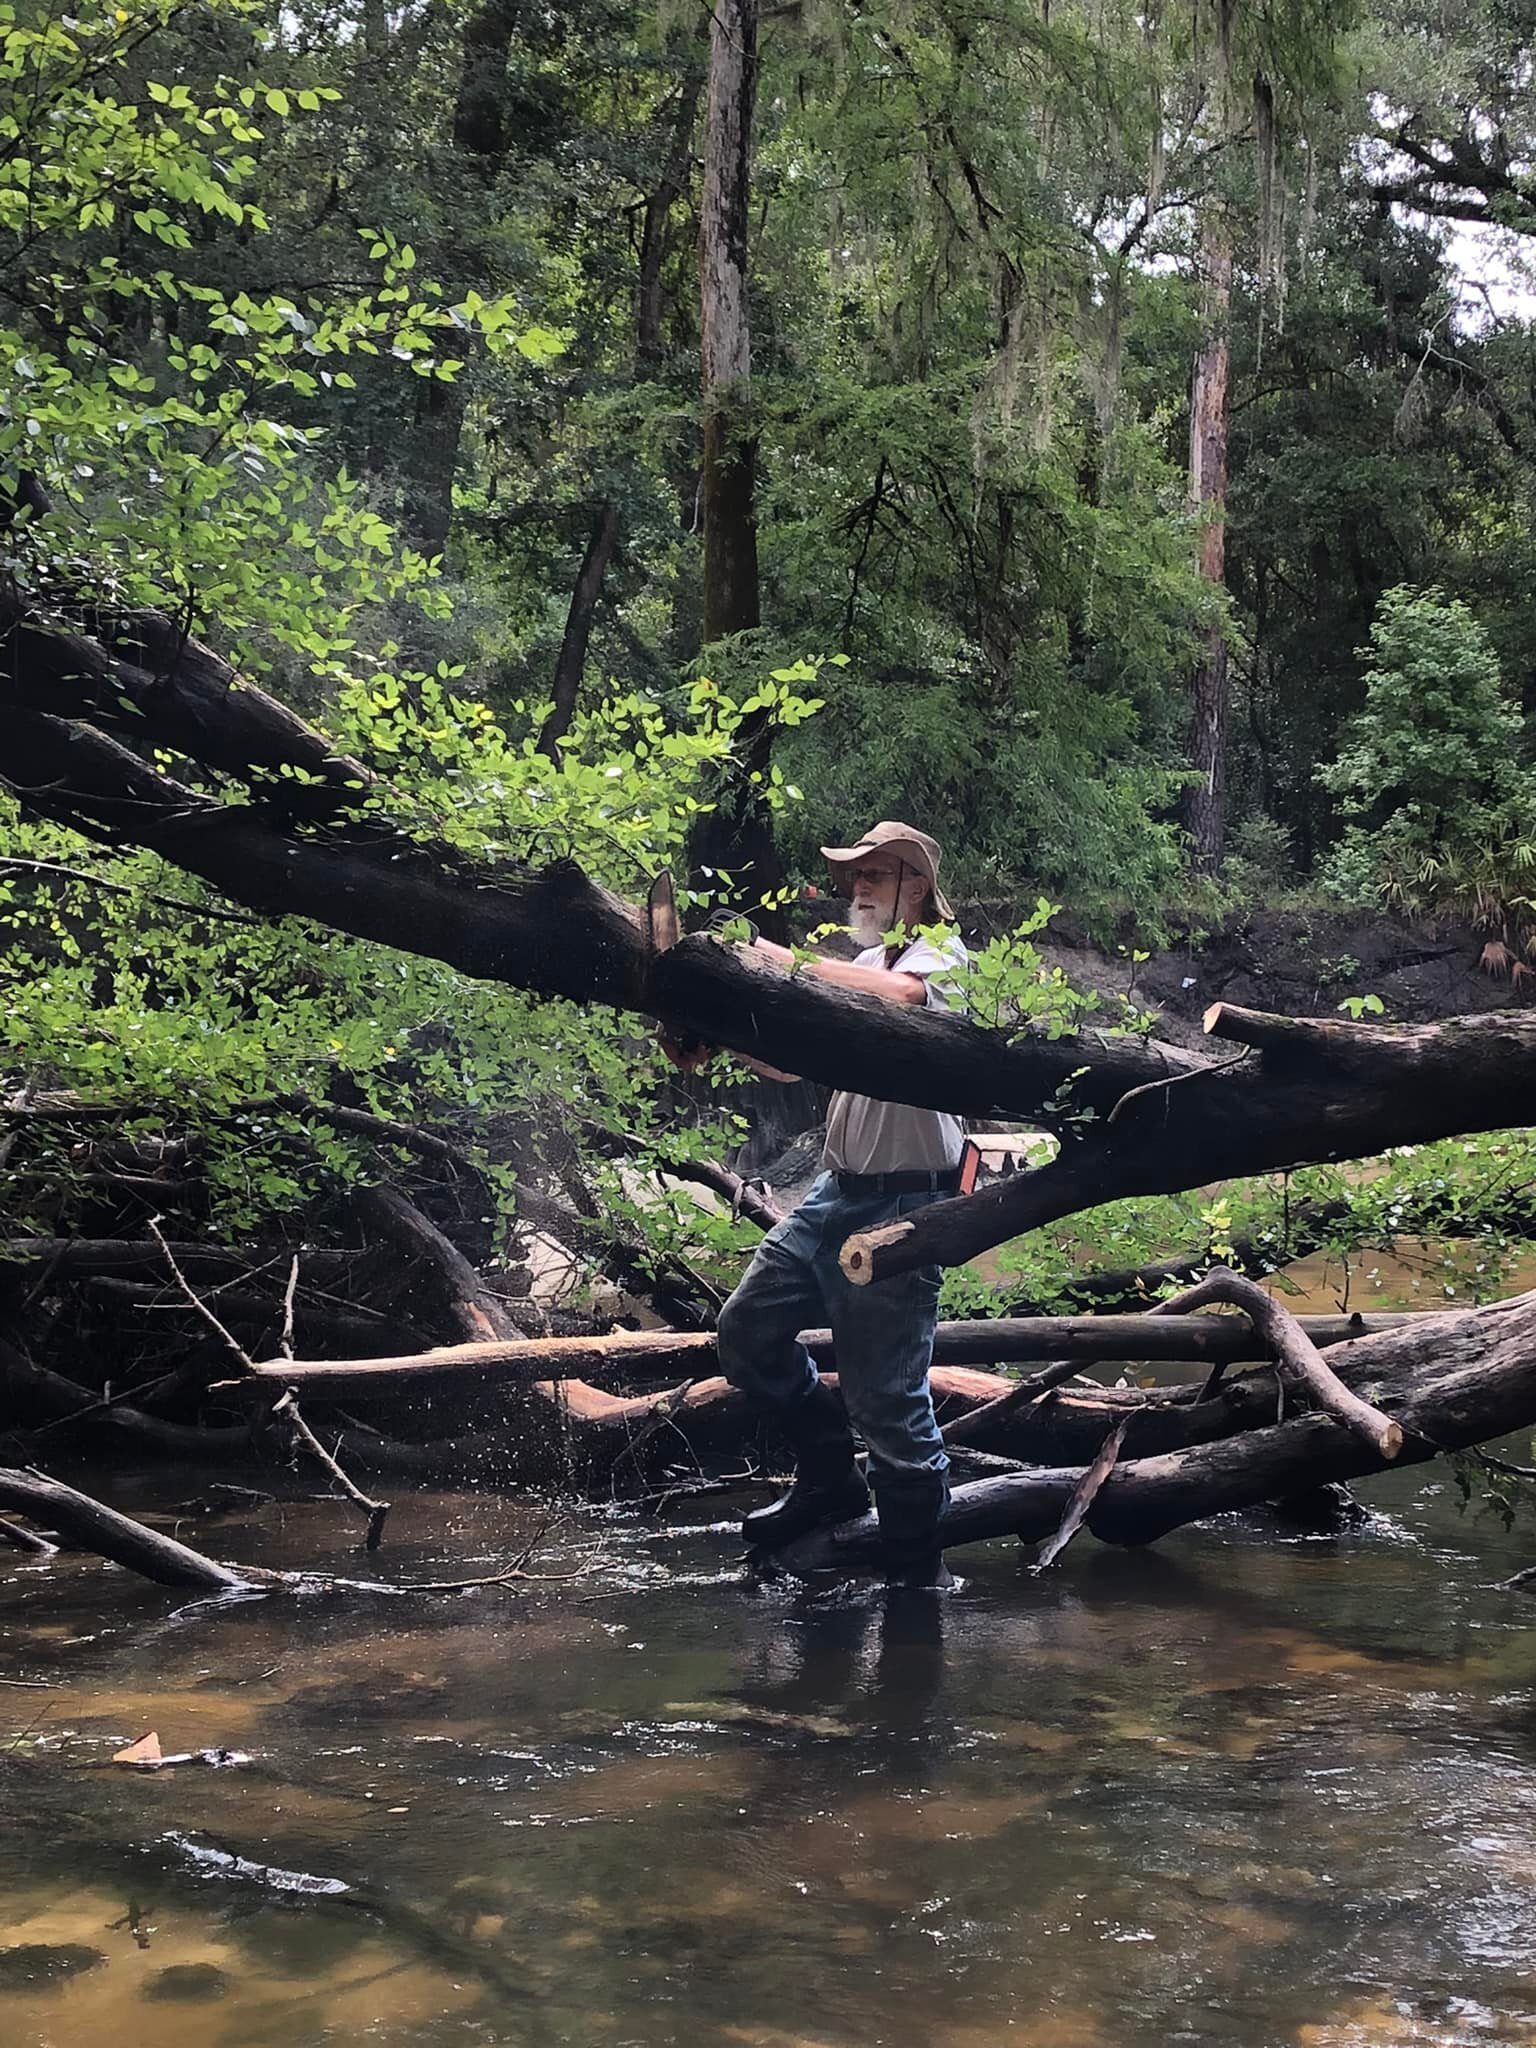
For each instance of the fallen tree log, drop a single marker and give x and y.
(627, 1353)
(1297, 1358)
(556, 932)
(92, 1525)
(1449, 1381)
(1465, 1074)
(66, 1258)
(35, 1394)
(1291, 1099)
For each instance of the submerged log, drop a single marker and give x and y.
(94, 1526)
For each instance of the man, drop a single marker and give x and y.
(881, 1160)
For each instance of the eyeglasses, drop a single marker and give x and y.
(876, 875)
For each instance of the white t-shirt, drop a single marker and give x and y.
(866, 1136)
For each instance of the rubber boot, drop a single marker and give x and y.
(828, 1488)
(910, 1505)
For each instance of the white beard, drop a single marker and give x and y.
(867, 926)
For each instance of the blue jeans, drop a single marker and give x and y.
(883, 1333)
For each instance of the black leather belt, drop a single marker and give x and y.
(945, 1182)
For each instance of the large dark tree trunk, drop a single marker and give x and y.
(730, 527)
(572, 663)
(480, 105)
(429, 458)
(1135, 1117)
(656, 229)
(1206, 798)
(602, 540)
(736, 837)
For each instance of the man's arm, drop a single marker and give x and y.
(864, 981)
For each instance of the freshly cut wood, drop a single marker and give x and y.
(143, 1755)
(1087, 1339)
(1299, 1360)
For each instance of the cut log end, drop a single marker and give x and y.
(860, 1256)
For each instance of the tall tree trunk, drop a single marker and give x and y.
(430, 457)
(430, 461)
(655, 237)
(735, 838)
(572, 663)
(603, 538)
(1205, 800)
(730, 529)
(479, 110)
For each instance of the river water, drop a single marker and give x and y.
(1234, 1792)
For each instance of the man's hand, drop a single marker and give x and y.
(865, 981)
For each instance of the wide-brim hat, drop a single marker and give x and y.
(917, 850)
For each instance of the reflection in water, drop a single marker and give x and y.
(1229, 1791)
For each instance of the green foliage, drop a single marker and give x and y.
(1262, 857)
(1435, 762)
(1436, 734)
(163, 1013)
(1422, 1226)
(175, 419)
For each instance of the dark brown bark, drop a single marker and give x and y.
(555, 932)
(572, 662)
(1297, 1359)
(655, 233)
(34, 1394)
(1204, 806)
(146, 679)
(735, 838)
(466, 1301)
(479, 113)
(428, 458)
(1450, 1381)
(71, 1258)
(429, 462)
(93, 1526)
(602, 540)
(1403, 1085)
(730, 531)
(745, 1199)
